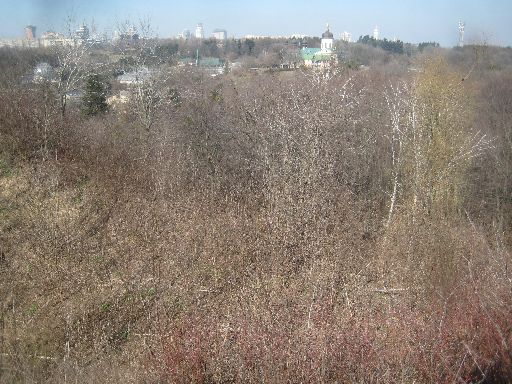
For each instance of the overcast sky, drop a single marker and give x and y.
(414, 21)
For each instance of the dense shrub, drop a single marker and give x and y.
(277, 227)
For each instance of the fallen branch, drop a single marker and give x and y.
(390, 291)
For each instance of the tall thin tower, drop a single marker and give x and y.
(199, 31)
(30, 32)
(376, 33)
(462, 25)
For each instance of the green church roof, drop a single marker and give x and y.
(314, 55)
(309, 53)
(210, 62)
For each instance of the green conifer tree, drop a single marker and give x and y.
(94, 100)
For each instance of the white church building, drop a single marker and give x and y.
(323, 56)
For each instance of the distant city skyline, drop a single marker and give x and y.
(410, 21)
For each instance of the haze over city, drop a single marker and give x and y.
(411, 21)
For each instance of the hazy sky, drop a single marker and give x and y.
(410, 20)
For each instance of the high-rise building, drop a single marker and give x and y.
(220, 34)
(462, 26)
(376, 33)
(185, 34)
(30, 32)
(108, 34)
(199, 31)
(82, 33)
(346, 36)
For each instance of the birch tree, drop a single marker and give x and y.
(73, 64)
(72, 70)
(148, 91)
(431, 146)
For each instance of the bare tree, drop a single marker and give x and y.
(137, 44)
(74, 64)
(430, 145)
